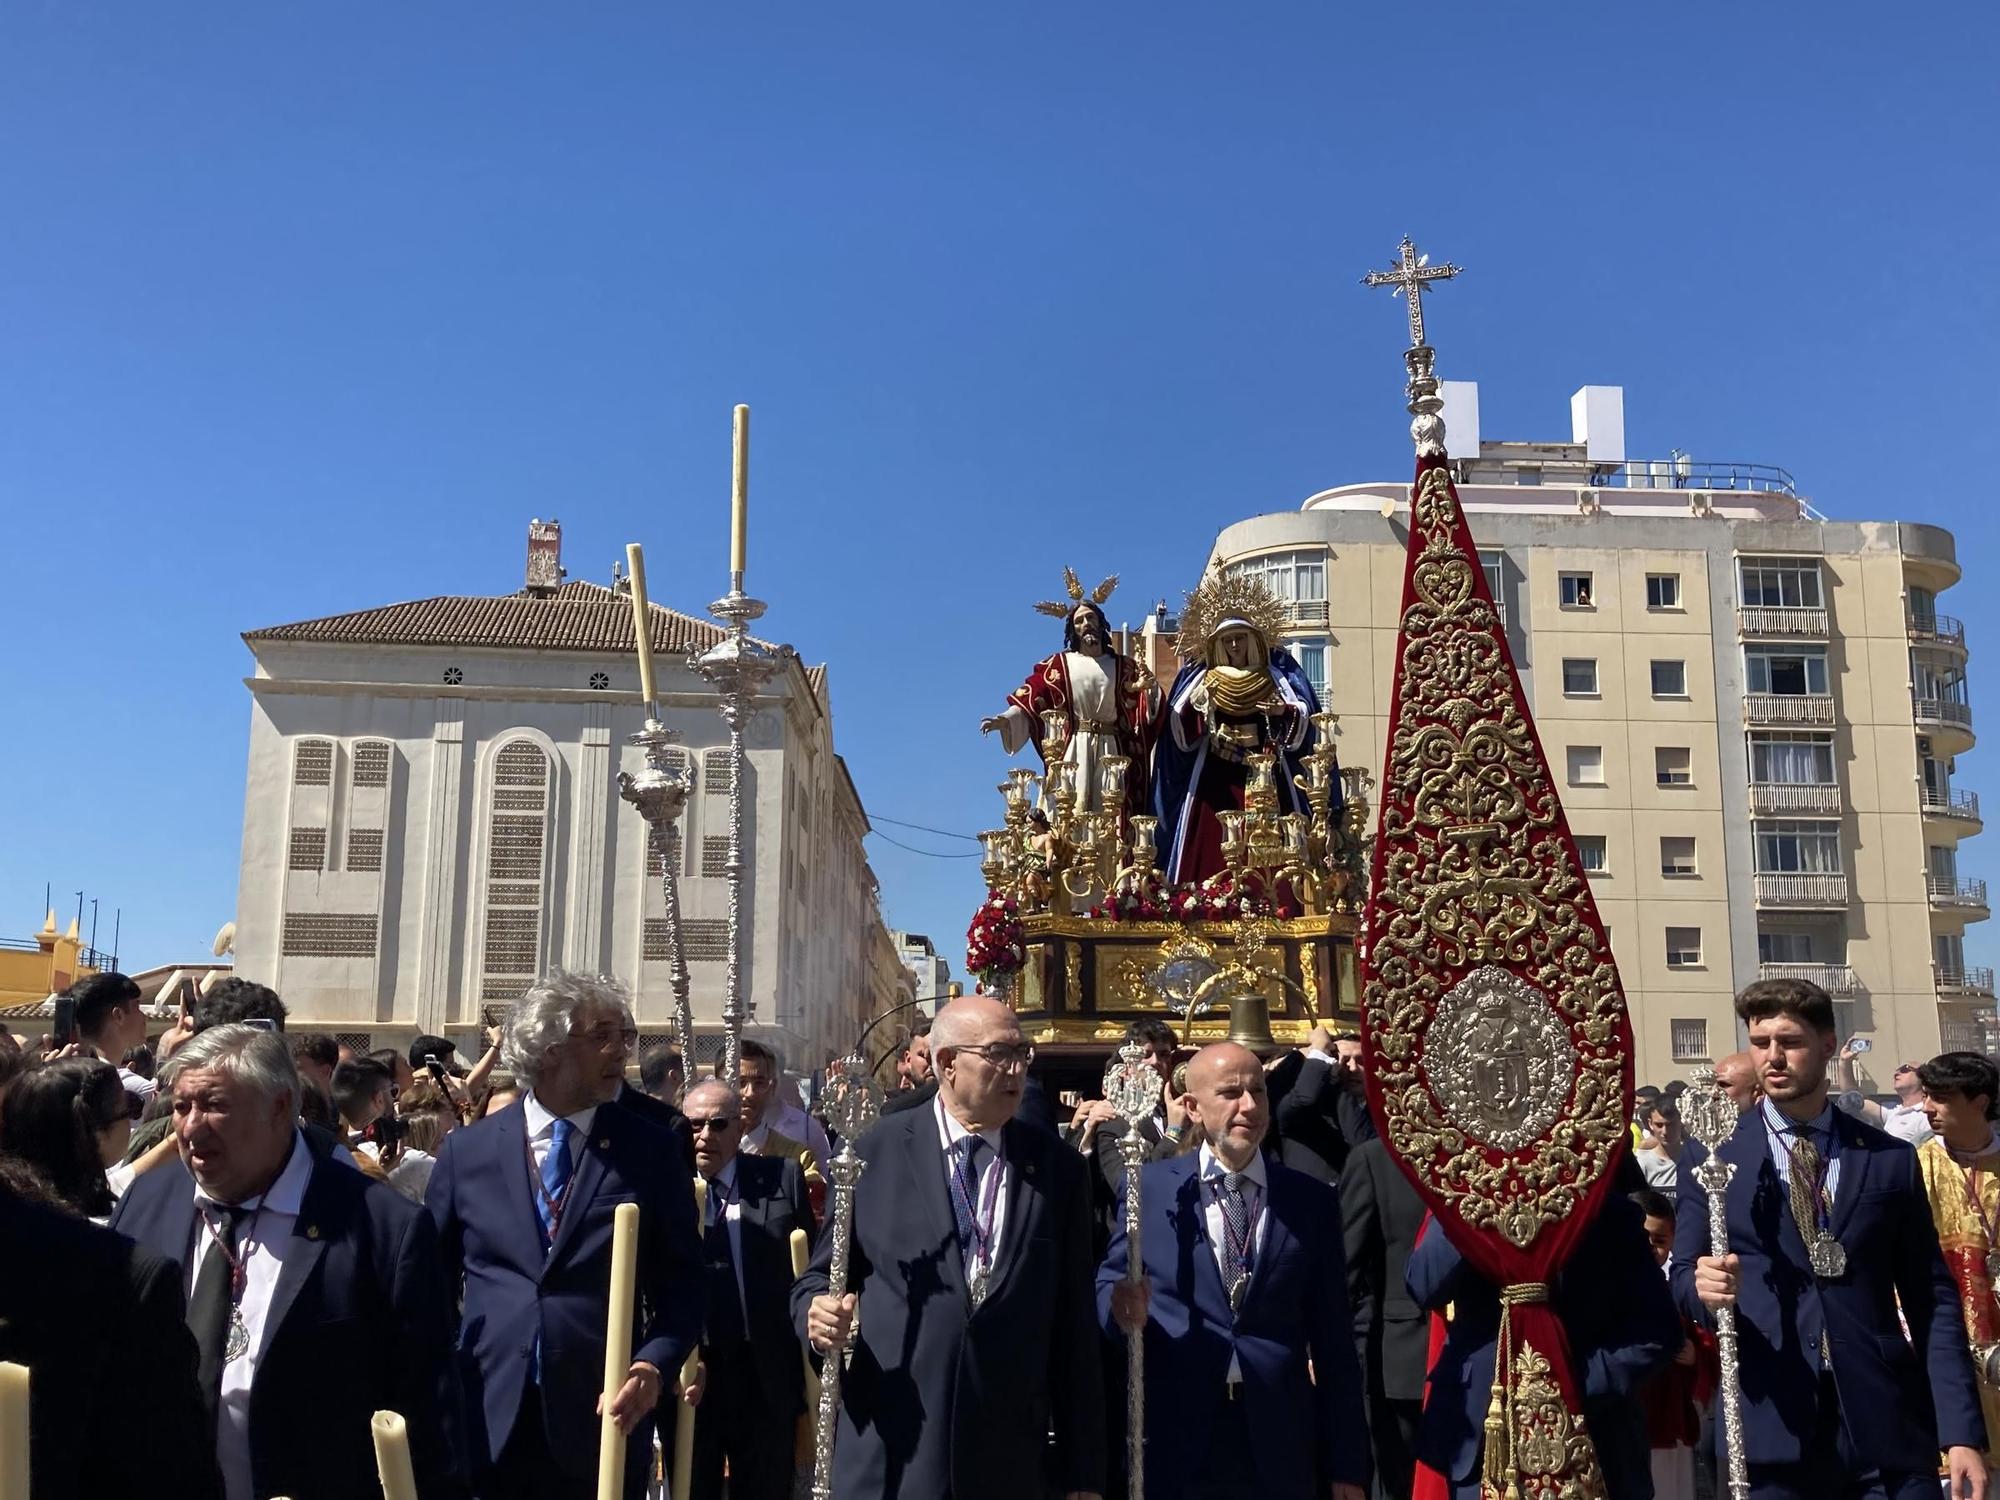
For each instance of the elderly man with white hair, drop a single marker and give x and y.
(972, 1254)
(315, 1295)
(524, 1201)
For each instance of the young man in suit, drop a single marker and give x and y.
(754, 1388)
(1244, 1289)
(1380, 1215)
(524, 1202)
(972, 1251)
(1830, 1234)
(315, 1295)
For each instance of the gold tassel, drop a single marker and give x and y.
(1493, 1471)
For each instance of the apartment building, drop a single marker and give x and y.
(1756, 713)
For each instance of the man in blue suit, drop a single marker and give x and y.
(524, 1202)
(315, 1296)
(1621, 1328)
(1829, 1234)
(971, 1260)
(1252, 1386)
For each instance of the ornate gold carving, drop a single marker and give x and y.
(1500, 1060)
(1229, 596)
(1073, 975)
(1476, 870)
(1553, 1458)
(1121, 977)
(1309, 966)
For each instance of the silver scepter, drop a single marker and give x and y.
(1711, 1117)
(1132, 1088)
(659, 792)
(849, 1106)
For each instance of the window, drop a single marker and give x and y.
(1579, 676)
(1683, 947)
(1948, 953)
(1494, 566)
(1689, 1038)
(715, 772)
(1296, 577)
(518, 830)
(1670, 679)
(1672, 766)
(1677, 856)
(1780, 582)
(1933, 675)
(1586, 765)
(1785, 948)
(1590, 849)
(1574, 589)
(1794, 846)
(1791, 759)
(1923, 608)
(1663, 591)
(1787, 671)
(1311, 657)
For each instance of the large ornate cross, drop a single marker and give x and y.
(1411, 278)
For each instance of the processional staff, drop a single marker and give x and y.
(1132, 1088)
(849, 1105)
(1710, 1116)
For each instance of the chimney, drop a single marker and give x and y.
(545, 573)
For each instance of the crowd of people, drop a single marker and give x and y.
(229, 1245)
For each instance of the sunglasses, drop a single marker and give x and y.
(717, 1123)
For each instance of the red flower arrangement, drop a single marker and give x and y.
(996, 943)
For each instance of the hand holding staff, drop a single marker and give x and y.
(683, 1476)
(1132, 1088)
(1710, 1116)
(848, 1105)
(617, 1351)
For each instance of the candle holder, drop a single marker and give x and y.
(659, 792)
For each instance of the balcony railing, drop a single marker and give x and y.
(1794, 797)
(1974, 981)
(1307, 614)
(1788, 708)
(1835, 979)
(1949, 803)
(1768, 620)
(1942, 711)
(1941, 628)
(1956, 890)
(1816, 891)
(1964, 1036)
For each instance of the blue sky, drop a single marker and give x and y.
(310, 307)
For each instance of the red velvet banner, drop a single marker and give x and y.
(1498, 1046)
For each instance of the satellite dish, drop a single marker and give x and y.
(225, 939)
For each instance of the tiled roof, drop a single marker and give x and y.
(577, 617)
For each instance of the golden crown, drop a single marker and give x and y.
(1229, 596)
(1062, 608)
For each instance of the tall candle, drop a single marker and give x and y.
(13, 1432)
(801, 1254)
(642, 624)
(739, 494)
(684, 1418)
(617, 1348)
(392, 1456)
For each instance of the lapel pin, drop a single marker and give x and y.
(1028, 1169)
(604, 1143)
(312, 1231)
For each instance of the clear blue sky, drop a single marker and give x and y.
(309, 307)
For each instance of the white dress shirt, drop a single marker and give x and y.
(995, 1162)
(1212, 1171)
(261, 1241)
(542, 1131)
(724, 1182)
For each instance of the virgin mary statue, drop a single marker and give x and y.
(1237, 694)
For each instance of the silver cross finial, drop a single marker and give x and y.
(1411, 278)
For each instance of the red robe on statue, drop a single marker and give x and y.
(1122, 716)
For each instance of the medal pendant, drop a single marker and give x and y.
(1828, 1257)
(977, 1290)
(236, 1343)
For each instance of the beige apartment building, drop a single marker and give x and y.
(1755, 713)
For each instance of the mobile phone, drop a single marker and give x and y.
(262, 1023)
(65, 1027)
(1860, 1044)
(436, 1069)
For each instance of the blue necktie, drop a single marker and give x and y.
(557, 1168)
(966, 1192)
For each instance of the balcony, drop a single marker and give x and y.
(1975, 982)
(1306, 614)
(1957, 893)
(1951, 804)
(1788, 708)
(1965, 1036)
(1835, 979)
(1936, 629)
(1780, 797)
(1808, 892)
(1941, 713)
(1785, 621)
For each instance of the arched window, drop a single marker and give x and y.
(367, 803)
(518, 835)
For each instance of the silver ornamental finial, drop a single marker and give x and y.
(851, 1102)
(1132, 1084)
(1410, 278)
(1709, 1114)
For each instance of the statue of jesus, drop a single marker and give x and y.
(1108, 701)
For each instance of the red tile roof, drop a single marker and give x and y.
(577, 617)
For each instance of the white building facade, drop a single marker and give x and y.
(432, 818)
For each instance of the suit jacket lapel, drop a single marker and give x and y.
(1854, 1157)
(510, 1141)
(590, 1171)
(310, 1233)
(1024, 1200)
(1277, 1238)
(1191, 1234)
(923, 1160)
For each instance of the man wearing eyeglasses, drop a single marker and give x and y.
(524, 1202)
(972, 1251)
(754, 1388)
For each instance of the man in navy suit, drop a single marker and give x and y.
(1251, 1378)
(315, 1296)
(1616, 1315)
(972, 1252)
(1829, 1234)
(524, 1202)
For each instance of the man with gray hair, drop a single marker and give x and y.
(315, 1295)
(524, 1201)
